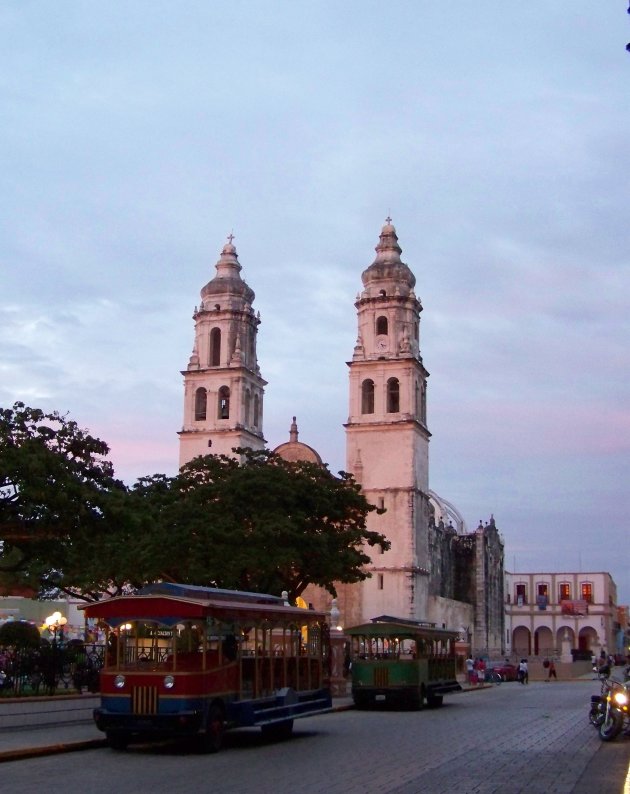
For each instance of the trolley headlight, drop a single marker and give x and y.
(169, 681)
(119, 681)
(620, 698)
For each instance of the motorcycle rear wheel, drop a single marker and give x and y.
(611, 727)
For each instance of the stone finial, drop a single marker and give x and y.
(237, 355)
(193, 361)
(293, 431)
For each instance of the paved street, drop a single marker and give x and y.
(507, 739)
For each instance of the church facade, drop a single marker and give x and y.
(434, 570)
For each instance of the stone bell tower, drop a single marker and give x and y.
(387, 438)
(223, 388)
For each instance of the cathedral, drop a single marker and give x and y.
(435, 570)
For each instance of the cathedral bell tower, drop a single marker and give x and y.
(387, 439)
(223, 388)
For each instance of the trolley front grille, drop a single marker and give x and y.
(144, 700)
(381, 676)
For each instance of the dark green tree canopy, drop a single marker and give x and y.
(19, 634)
(66, 524)
(263, 524)
(55, 484)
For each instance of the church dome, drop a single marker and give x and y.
(388, 266)
(294, 450)
(228, 279)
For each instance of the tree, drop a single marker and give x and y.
(264, 524)
(19, 634)
(56, 488)
(66, 524)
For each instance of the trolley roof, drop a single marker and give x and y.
(168, 604)
(386, 625)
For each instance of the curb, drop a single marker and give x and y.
(52, 749)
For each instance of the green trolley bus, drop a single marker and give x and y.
(401, 663)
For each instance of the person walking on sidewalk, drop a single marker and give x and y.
(470, 669)
(523, 673)
(552, 671)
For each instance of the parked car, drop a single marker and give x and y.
(507, 671)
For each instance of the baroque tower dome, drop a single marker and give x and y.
(228, 279)
(388, 268)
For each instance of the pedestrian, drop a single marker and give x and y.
(552, 671)
(481, 671)
(523, 674)
(470, 669)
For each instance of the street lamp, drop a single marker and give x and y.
(55, 623)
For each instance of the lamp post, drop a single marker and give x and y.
(54, 623)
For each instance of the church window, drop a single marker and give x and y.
(256, 410)
(415, 331)
(247, 406)
(393, 396)
(215, 347)
(380, 581)
(381, 326)
(224, 403)
(367, 397)
(586, 589)
(521, 595)
(201, 397)
(417, 403)
(381, 503)
(564, 591)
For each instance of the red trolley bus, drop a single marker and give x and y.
(184, 660)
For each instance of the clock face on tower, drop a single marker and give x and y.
(382, 344)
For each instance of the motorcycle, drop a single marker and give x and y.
(598, 702)
(616, 714)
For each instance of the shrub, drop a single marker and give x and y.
(20, 634)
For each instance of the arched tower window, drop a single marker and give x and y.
(201, 398)
(393, 396)
(224, 403)
(247, 400)
(367, 397)
(256, 410)
(417, 406)
(381, 326)
(215, 347)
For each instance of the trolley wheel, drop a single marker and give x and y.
(414, 701)
(434, 701)
(361, 700)
(278, 731)
(117, 740)
(211, 740)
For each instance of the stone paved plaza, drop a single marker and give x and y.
(508, 739)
